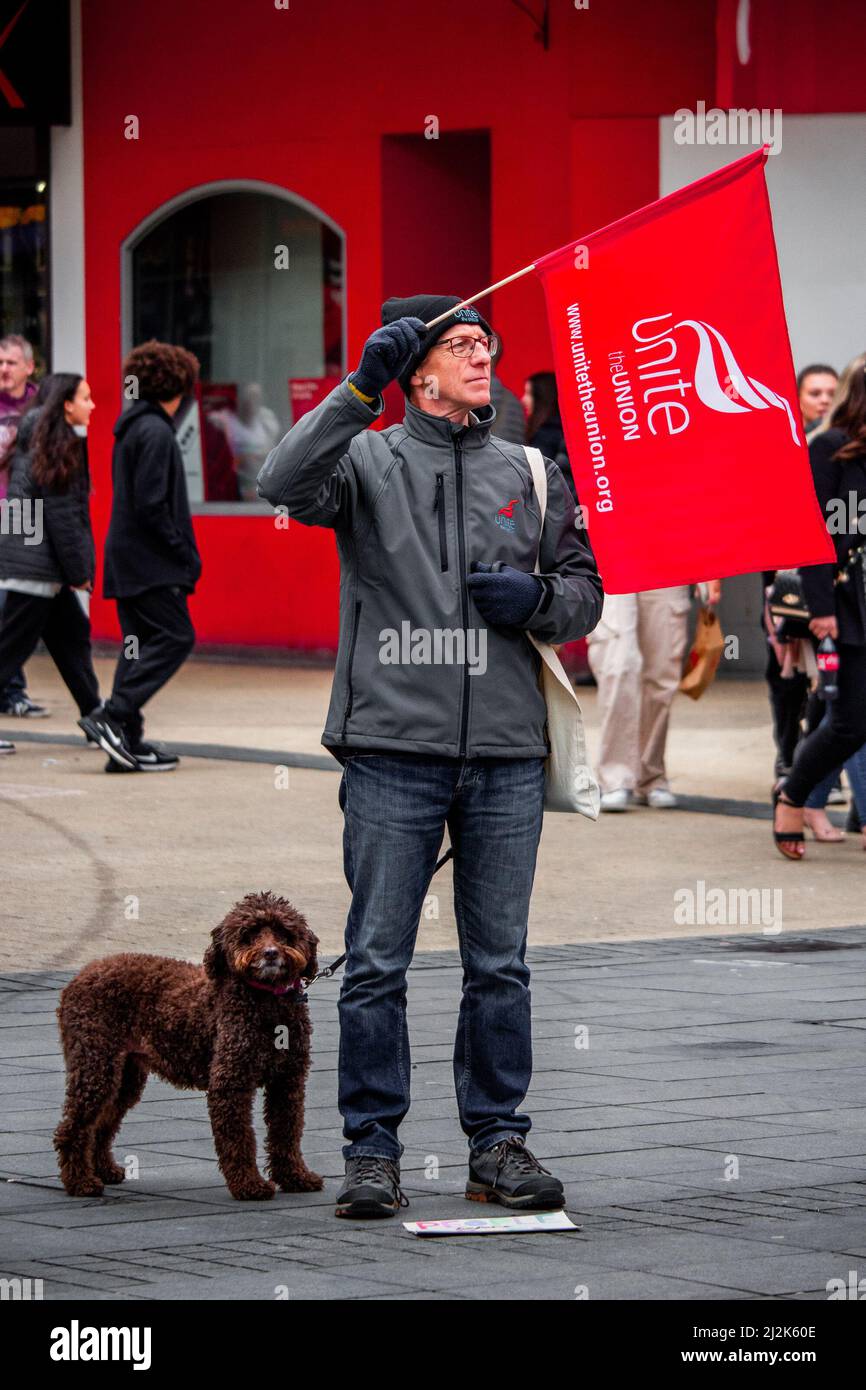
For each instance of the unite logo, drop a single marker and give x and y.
(661, 375)
(505, 516)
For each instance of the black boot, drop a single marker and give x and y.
(510, 1174)
(371, 1187)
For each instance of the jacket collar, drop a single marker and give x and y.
(436, 430)
(134, 412)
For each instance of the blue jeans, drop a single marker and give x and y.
(855, 766)
(395, 813)
(16, 684)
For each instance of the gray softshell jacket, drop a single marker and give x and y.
(412, 506)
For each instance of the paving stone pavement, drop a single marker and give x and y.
(711, 1135)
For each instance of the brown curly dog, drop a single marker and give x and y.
(228, 1026)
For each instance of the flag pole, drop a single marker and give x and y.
(481, 293)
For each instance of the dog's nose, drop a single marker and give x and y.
(270, 953)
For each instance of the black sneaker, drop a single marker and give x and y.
(152, 757)
(6, 746)
(371, 1188)
(110, 735)
(112, 766)
(22, 707)
(510, 1174)
(92, 740)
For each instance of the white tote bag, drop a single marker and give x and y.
(570, 783)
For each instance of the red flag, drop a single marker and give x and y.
(677, 389)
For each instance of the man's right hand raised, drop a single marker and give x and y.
(386, 353)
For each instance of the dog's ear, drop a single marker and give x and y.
(214, 962)
(310, 944)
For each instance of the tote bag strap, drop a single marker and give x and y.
(535, 459)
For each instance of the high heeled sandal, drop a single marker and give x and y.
(787, 837)
(835, 837)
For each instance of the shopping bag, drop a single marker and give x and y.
(705, 655)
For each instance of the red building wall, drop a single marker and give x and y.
(301, 98)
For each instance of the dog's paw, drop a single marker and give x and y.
(302, 1180)
(111, 1172)
(256, 1190)
(84, 1187)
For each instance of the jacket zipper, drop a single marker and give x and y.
(439, 507)
(464, 594)
(350, 695)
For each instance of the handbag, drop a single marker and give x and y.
(705, 655)
(569, 782)
(787, 601)
(788, 605)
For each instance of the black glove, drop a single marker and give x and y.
(386, 353)
(505, 597)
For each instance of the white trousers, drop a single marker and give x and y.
(636, 655)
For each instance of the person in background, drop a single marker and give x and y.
(814, 814)
(17, 396)
(636, 655)
(815, 386)
(510, 419)
(788, 688)
(44, 561)
(836, 596)
(544, 424)
(252, 433)
(151, 559)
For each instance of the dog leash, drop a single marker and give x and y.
(332, 969)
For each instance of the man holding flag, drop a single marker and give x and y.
(677, 450)
(437, 717)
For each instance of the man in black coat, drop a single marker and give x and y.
(17, 396)
(151, 559)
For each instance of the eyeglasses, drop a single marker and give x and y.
(465, 347)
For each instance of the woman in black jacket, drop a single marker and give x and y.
(836, 596)
(46, 549)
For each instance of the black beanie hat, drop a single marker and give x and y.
(426, 307)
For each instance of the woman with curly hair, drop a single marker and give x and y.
(49, 553)
(152, 562)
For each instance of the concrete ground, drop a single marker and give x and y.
(153, 862)
(709, 1127)
(711, 1135)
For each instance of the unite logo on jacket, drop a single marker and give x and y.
(504, 517)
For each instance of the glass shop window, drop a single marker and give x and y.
(252, 283)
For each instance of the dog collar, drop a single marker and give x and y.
(275, 989)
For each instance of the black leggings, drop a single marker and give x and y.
(64, 627)
(838, 737)
(787, 699)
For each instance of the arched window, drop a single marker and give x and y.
(250, 279)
